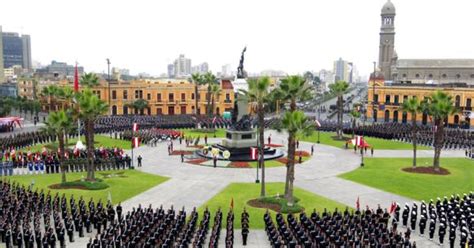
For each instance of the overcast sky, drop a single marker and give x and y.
(291, 35)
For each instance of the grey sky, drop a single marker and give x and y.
(293, 36)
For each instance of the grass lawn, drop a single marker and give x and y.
(99, 140)
(276, 163)
(243, 192)
(120, 188)
(380, 144)
(220, 133)
(386, 174)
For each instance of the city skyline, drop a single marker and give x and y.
(292, 44)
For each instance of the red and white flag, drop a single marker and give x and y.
(135, 127)
(357, 204)
(253, 153)
(393, 206)
(318, 124)
(76, 79)
(214, 120)
(135, 142)
(359, 140)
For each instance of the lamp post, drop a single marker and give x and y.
(364, 111)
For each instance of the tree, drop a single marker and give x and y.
(89, 80)
(293, 89)
(215, 93)
(256, 95)
(413, 106)
(198, 80)
(6, 105)
(51, 92)
(67, 94)
(338, 89)
(355, 114)
(140, 105)
(210, 79)
(440, 106)
(90, 107)
(58, 124)
(295, 123)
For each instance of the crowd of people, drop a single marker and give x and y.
(151, 136)
(453, 138)
(48, 162)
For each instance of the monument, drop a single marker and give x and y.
(241, 136)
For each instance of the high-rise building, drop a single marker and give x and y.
(182, 66)
(201, 68)
(16, 50)
(171, 70)
(2, 79)
(27, 61)
(226, 70)
(342, 70)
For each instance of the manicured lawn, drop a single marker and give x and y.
(99, 140)
(243, 192)
(120, 188)
(386, 174)
(380, 144)
(220, 133)
(268, 164)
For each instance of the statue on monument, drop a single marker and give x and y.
(240, 70)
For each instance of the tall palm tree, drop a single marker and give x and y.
(256, 95)
(90, 107)
(215, 93)
(198, 80)
(89, 80)
(412, 106)
(440, 106)
(58, 124)
(67, 94)
(295, 123)
(338, 89)
(51, 92)
(293, 89)
(139, 105)
(210, 79)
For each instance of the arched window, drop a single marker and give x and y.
(114, 110)
(125, 110)
(404, 117)
(457, 102)
(395, 116)
(417, 75)
(387, 115)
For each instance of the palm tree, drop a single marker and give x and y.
(210, 79)
(67, 94)
(6, 105)
(295, 123)
(256, 95)
(412, 106)
(139, 105)
(198, 80)
(90, 107)
(355, 114)
(440, 106)
(338, 89)
(59, 123)
(89, 80)
(51, 92)
(215, 93)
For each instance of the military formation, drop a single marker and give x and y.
(49, 162)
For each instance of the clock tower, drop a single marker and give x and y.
(387, 40)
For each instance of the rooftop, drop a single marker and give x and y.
(435, 63)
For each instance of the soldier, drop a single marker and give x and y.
(245, 233)
(441, 233)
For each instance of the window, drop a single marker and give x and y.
(444, 76)
(404, 75)
(376, 98)
(171, 110)
(396, 99)
(125, 94)
(148, 96)
(158, 97)
(472, 75)
(430, 76)
(114, 94)
(159, 111)
(405, 97)
(227, 97)
(457, 102)
(458, 76)
(417, 75)
(171, 97)
(183, 97)
(468, 102)
(387, 98)
(183, 110)
(139, 94)
(192, 96)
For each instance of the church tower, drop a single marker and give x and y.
(387, 40)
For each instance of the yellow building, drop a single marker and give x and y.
(164, 97)
(388, 98)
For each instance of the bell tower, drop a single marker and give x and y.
(387, 40)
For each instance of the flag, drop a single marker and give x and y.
(357, 204)
(232, 203)
(135, 127)
(359, 141)
(135, 142)
(214, 120)
(318, 124)
(76, 79)
(392, 207)
(434, 128)
(253, 153)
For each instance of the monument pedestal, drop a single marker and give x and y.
(240, 139)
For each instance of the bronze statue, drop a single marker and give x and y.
(240, 70)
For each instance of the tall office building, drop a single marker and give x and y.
(2, 78)
(26, 41)
(171, 70)
(182, 66)
(342, 70)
